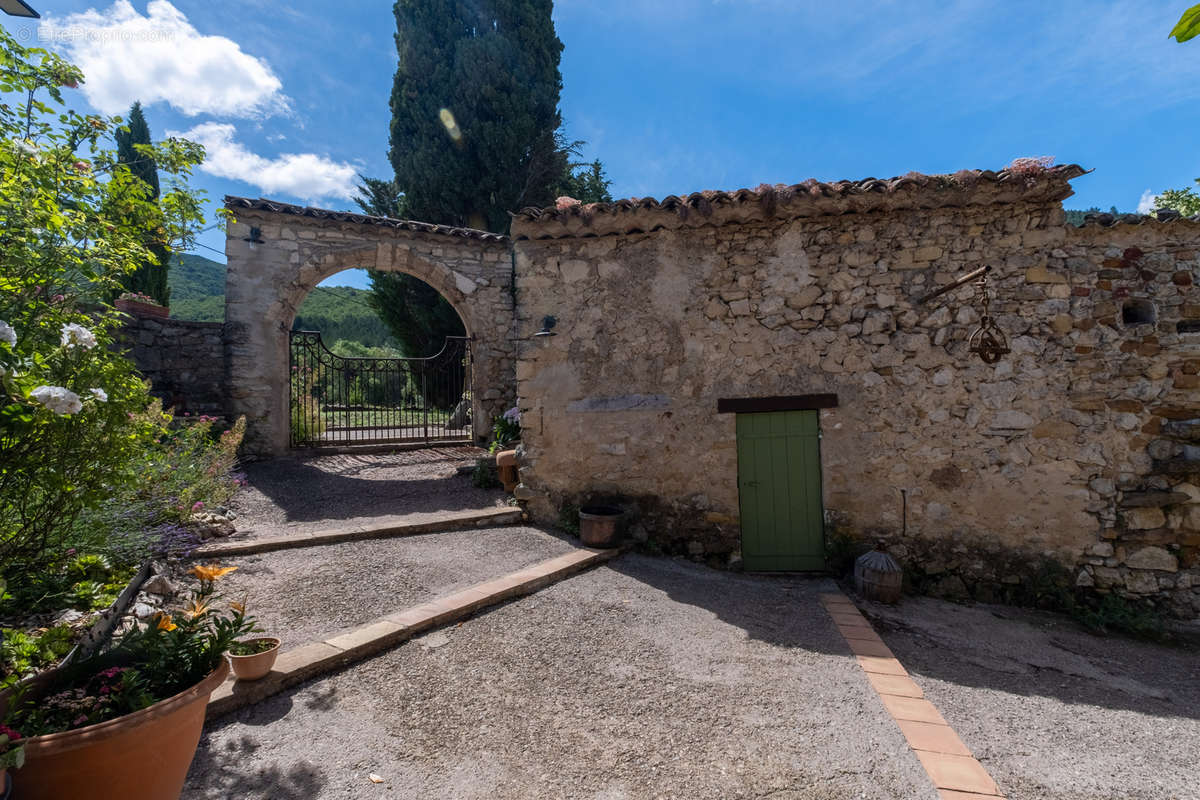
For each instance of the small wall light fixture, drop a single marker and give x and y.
(255, 236)
(548, 324)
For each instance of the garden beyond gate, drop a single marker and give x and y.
(338, 401)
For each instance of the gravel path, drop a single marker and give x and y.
(305, 595)
(1050, 710)
(297, 494)
(646, 678)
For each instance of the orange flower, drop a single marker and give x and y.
(164, 622)
(211, 572)
(196, 609)
(238, 607)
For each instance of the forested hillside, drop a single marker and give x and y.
(339, 313)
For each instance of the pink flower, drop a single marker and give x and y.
(82, 718)
(70, 551)
(196, 506)
(9, 732)
(58, 298)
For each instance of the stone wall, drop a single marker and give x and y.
(1073, 458)
(184, 362)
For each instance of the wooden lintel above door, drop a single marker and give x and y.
(759, 405)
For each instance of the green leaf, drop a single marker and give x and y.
(1188, 26)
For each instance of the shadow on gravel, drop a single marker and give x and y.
(1038, 653)
(1007, 649)
(780, 609)
(344, 487)
(224, 775)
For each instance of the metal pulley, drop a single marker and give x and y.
(988, 341)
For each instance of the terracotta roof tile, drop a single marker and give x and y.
(810, 198)
(275, 207)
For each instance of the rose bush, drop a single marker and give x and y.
(73, 220)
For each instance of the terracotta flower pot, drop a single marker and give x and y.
(506, 464)
(251, 668)
(140, 756)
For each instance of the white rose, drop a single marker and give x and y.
(24, 146)
(7, 334)
(75, 335)
(59, 400)
(99, 394)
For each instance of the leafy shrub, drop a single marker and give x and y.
(485, 476)
(568, 519)
(23, 653)
(73, 221)
(187, 469)
(1116, 613)
(506, 429)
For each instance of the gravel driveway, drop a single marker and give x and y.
(646, 678)
(307, 594)
(1050, 710)
(306, 494)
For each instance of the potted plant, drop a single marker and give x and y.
(125, 723)
(142, 305)
(11, 755)
(253, 658)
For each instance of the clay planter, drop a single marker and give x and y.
(140, 756)
(251, 668)
(598, 525)
(140, 309)
(506, 466)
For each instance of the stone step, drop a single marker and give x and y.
(369, 448)
(317, 658)
(477, 518)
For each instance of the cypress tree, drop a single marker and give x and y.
(475, 109)
(473, 136)
(151, 277)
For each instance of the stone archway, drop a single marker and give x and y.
(277, 253)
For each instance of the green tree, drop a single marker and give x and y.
(1188, 26)
(586, 183)
(73, 222)
(380, 198)
(135, 152)
(1186, 201)
(475, 109)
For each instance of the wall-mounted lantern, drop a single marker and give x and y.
(547, 330)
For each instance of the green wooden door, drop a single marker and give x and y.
(779, 483)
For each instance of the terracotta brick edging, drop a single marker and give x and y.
(949, 763)
(447, 522)
(298, 665)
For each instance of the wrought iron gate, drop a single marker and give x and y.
(340, 401)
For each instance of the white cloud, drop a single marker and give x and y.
(1147, 203)
(304, 175)
(126, 56)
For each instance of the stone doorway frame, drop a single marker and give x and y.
(277, 253)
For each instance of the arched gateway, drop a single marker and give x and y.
(277, 253)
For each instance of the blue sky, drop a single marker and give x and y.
(674, 95)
